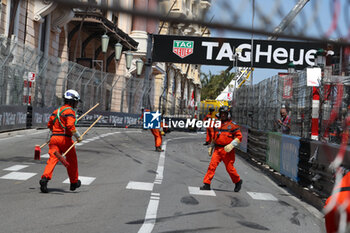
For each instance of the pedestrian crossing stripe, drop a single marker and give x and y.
(45, 155)
(140, 186)
(197, 191)
(262, 196)
(15, 168)
(18, 176)
(85, 180)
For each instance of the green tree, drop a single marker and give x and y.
(213, 85)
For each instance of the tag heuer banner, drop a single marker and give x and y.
(220, 51)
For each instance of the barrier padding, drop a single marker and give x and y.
(274, 150)
(289, 156)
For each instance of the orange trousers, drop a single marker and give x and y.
(210, 135)
(219, 155)
(61, 144)
(157, 137)
(333, 217)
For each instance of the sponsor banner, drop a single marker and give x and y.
(41, 116)
(116, 119)
(273, 150)
(13, 117)
(220, 51)
(287, 88)
(243, 146)
(289, 156)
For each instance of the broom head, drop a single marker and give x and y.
(61, 159)
(37, 152)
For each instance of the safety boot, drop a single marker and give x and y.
(74, 186)
(159, 149)
(205, 187)
(43, 185)
(238, 185)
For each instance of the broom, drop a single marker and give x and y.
(61, 157)
(37, 150)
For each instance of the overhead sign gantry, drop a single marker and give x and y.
(220, 51)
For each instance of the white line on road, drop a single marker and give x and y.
(15, 168)
(262, 196)
(45, 156)
(85, 180)
(140, 186)
(18, 176)
(151, 214)
(197, 191)
(160, 169)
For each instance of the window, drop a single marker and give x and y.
(14, 17)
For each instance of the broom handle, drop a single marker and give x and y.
(82, 135)
(77, 120)
(88, 111)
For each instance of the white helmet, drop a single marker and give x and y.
(72, 95)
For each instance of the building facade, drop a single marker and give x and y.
(182, 84)
(63, 48)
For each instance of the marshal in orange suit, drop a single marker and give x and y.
(62, 125)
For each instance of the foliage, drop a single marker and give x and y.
(213, 85)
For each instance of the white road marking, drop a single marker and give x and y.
(140, 186)
(15, 168)
(160, 169)
(262, 196)
(197, 191)
(85, 180)
(45, 156)
(151, 214)
(18, 176)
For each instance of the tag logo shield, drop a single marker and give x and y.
(183, 48)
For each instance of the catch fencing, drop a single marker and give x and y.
(304, 161)
(258, 106)
(37, 82)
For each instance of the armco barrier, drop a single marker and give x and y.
(13, 117)
(274, 150)
(243, 146)
(289, 156)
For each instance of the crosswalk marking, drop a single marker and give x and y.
(262, 196)
(140, 186)
(18, 176)
(15, 168)
(85, 180)
(197, 191)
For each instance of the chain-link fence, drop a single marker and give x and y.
(27, 77)
(258, 106)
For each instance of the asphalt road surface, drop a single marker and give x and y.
(128, 187)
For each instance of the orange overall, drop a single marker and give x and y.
(157, 134)
(210, 130)
(61, 140)
(223, 136)
(343, 194)
(157, 137)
